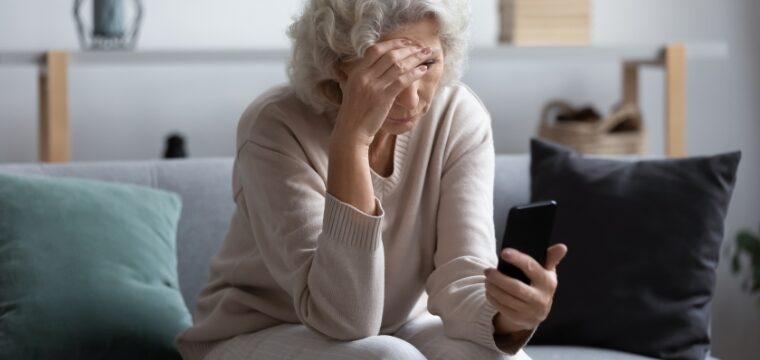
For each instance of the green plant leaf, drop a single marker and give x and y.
(747, 242)
(735, 264)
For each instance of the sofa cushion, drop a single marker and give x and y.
(204, 184)
(549, 352)
(643, 239)
(88, 270)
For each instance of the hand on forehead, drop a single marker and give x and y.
(424, 33)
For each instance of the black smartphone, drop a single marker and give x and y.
(529, 230)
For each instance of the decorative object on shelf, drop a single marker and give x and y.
(545, 22)
(585, 131)
(110, 29)
(175, 147)
(747, 244)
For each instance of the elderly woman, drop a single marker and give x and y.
(364, 204)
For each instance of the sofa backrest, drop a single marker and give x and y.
(207, 205)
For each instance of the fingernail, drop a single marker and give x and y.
(407, 42)
(422, 69)
(427, 51)
(508, 253)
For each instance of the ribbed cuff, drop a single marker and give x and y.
(195, 350)
(346, 224)
(486, 333)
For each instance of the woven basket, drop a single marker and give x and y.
(595, 137)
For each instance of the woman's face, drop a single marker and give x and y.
(414, 101)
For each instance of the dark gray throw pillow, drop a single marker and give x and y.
(644, 239)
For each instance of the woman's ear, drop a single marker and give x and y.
(341, 72)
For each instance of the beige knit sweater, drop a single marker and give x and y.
(295, 254)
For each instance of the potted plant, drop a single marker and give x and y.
(747, 247)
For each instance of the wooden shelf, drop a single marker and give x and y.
(591, 53)
(594, 53)
(53, 80)
(172, 57)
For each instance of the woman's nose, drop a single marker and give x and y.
(409, 98)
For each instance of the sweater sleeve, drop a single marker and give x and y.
(325, 253)
(466, 242)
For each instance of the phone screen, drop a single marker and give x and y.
(529, 230)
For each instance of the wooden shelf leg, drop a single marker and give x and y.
(54, 108)
(630, 83)
(675, 104)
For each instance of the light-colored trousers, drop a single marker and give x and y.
(421, 338)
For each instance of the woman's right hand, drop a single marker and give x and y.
(371, 84)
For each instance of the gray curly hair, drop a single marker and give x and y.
(331, 31)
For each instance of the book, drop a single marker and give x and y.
(546, 22)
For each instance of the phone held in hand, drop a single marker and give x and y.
(529, 230)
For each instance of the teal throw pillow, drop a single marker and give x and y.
(88, 270)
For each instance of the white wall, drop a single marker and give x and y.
(124, 112)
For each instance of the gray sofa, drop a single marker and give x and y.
(205, 187)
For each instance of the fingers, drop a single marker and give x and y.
(405, 80)
(391, 59)
(411, 63)
(515, 318)
(506, 309)
(513, 287)
(378, 50)
(517, 310)
(525, 314)
(504, 299)
(392, 65)
(532, 269)
(398, 61)
(554, 256)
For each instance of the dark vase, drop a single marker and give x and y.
(175, 147)
(108, 18)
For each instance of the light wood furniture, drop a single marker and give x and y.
(545, 22)
(54, 142)
(53, 95)
(673, 59)
(675, 85)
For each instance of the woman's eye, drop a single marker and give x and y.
(428, 63)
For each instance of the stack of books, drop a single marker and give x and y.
(546, 22)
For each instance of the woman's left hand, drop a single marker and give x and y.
(522, 306)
